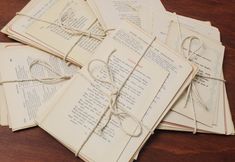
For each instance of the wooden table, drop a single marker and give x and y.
(164, 146)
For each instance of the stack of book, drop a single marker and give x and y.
(107, 74)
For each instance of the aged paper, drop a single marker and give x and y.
(224, 125)
(52, 38)
(161, 55)
(130, 39)
(75, 14)
(136, 104)
(209, 59)
(3, 104)
(24, 99)
(111, 13)
(163, 20)
(219, 128)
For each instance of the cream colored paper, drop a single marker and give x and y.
(4, 119)
(138, 108)
(184, 86)
(160, 54)
(59, 42)
(209, 60)
(230, 130)
(77, 14)
(162, 20)
(17, 27)
(219, 128)
(147, 12)
(3, 104)
(126, 37)
(24, 99)
(225, 126)
(111, 13)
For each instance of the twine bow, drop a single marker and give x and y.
(49, 80)
(192, 88)
(68, 14)
(113, 109)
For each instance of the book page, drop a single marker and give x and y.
(3, 104)
(179, 67)
(134, 103)
(229, 120)
(26, 8)
(4, 118)
(175, 118)
(162, 21)
(176, 97)
(111, 13)
(228, 124)
(18, 26)
(76, 15)
(177, 122)
(179, 70)
(24, 99)
(147, 12)
(157, 4)
(209, 60)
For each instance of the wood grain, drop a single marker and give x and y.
(37, 146)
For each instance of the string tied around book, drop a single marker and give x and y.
(192, 88)
(48, 80)
(113, 109)
(69, 29)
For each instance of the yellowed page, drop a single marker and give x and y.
(147, 12)
(162, 21)
(181, 120)
(24, 99)
(138, 12)
(178, 94)
(76, 14)
(59, 43)
(209, 60)
(228, 116)
(18, 26)
(179, 70)
(25, 9)
(177, 122)
(112, 135)
(4, 120)
(111, 13)
(3, 104)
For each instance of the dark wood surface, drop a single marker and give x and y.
(37, 146)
